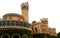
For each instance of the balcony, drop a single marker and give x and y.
(14, 24)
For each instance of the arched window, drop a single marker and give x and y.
(8, 23)
(5, 36)
(43, 29)
(22, 24)
(24, 36)
(12, 23)
(17, 23)
(16, 36)
(3, 23)
(0, 23)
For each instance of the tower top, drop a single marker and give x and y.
(25, 5)
(44, 19)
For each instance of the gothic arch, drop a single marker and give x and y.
(24, 36)
(16, 36)
(5, 36)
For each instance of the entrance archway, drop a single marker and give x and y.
(25, 36)
(16, 36)
(5, 36)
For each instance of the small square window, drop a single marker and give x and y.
(10, 17)
(18, 18)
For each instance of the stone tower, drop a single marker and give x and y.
(44, 25)
(24, 8)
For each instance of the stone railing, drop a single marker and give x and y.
(14, 24)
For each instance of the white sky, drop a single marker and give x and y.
(37, 10)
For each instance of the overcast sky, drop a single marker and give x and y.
(37, 10)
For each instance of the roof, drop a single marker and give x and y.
(12, 14)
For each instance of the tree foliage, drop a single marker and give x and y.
(58, 35)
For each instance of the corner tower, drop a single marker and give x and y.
(25, 8)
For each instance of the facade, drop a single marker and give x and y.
(41, 29)
(14, 25)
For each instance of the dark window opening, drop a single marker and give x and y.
(18, 18)
(22, 24)
(17, 23)
(43, 30)
(35, 29)
(10, 17)
(0, 23)
(5, 36)
(15, 36)
(8, 22)
(24, 7)
(3, 23)
(12, 23)
(25, 36)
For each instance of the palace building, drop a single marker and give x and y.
(41, 29)
(14, 25)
